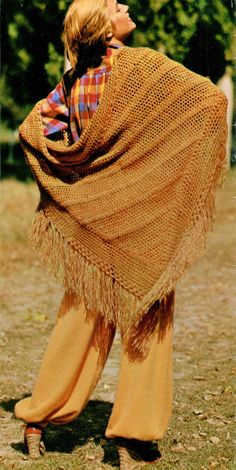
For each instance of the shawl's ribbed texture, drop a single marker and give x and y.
(125, 211)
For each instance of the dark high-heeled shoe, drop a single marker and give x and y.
(34, 440)
(134, 454)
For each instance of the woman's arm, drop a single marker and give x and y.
(55, 113)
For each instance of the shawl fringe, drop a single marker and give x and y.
(126, 210)
(104, 294)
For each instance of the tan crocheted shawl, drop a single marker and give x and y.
(125, 211)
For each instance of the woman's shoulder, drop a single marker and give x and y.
(141, 55)
(141, 59)
(148, 60)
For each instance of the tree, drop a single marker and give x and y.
(198, 34)
(32, 53)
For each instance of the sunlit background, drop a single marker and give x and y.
(198, 34)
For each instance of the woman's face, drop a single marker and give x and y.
(121, 22)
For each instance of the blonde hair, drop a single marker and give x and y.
(86, 26)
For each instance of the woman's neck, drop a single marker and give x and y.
(115, 43)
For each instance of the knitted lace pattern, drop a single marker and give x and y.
(125, 211)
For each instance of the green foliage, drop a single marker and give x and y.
(54, 66)
(186, 30)
(32, 54)
(197, 34)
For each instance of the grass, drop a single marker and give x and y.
(200, 436)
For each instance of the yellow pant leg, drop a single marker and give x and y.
(143, 402)
(71, 366)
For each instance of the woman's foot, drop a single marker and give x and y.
(134, 454)
(34, 440)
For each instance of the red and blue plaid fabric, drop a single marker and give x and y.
(54, 112)
(84, 99)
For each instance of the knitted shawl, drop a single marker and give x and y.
(125, 211)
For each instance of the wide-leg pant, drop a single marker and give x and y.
(73, 362)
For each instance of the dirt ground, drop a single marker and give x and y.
(200, 435)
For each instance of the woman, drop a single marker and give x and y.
(127, 152)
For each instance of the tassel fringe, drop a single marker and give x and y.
(99, 291)
(137, 319)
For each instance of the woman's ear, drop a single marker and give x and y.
(109, 37)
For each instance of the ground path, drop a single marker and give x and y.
(201, 431)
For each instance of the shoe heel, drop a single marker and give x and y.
(34, 442)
